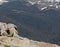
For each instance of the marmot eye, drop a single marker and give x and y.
(0, 33)
(8, 31)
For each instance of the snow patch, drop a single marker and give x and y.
(3, 1)
(43, 8)
(32, 3)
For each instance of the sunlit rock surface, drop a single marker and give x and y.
(18, 41)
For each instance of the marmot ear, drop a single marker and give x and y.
(15, 28)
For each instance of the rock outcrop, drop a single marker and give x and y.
(15, 40)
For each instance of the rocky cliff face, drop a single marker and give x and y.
(18, 41)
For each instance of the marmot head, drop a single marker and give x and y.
(7, 31)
